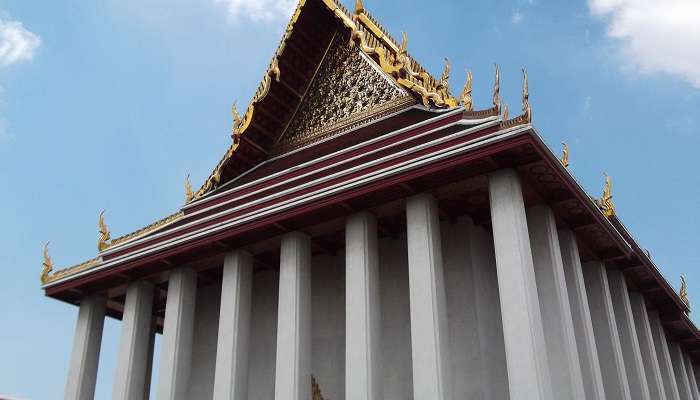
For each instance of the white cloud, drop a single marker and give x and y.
(516, 17)
(16, 43)
(656, 36)
(259, 10)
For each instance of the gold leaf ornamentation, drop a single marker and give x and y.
(527, 109)
(466, 95)
(47, 265)
(605, 203)
(683, 293)
(189, 195)
(497, 90)
(103, 241)
(565, 155)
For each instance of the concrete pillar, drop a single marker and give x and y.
(581, 316)
(231, 373)
(612, 364)
(696, 372)
(689, 369)
(679, 369)
(363, 374)
(82, 370)
(562, 353)
(178, 329)
(636, 376)
(132, 360)
(526, 353)
(663, 356)
(646, 346)
(429, 337)
(293, 365)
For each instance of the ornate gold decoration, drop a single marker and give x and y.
(103, 242)
(527, 110)
(71, 270)
(346, 89)
(396, 62)
(505, 113)
(605, 203)
(683, 293)
(466, 95)
(315, 390)
(189, 195)
(565, 155)
(526, 116)
(359, 7)
(497, 90)
(47, 265)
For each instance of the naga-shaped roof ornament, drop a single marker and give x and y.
(565, 155)
(527, 110)
(466, 96)
(189, 194)
(605, 203)
(683, 293)
(237, 121)
(497, 91)
(47, 265)
(103, 241)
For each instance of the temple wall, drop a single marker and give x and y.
(206, 325)
(263, 335)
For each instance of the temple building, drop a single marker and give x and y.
(369, 235)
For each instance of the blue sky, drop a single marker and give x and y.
(107, 105)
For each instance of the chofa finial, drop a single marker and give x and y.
(565, 155)
(103, 241)
(505, 113)
(527, 110)
(359, 7)
(445, 77)
(404, 43)
(605, 203)
(47, 265)
(497, 90)
(466, 96)
(189, 194)
(683, 293)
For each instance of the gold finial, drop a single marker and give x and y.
(189, 195)
(497, 89)
(315, 390)
(404, 43)
(565, 155)
(275, 70)
(102, 243)
(359, 7)
(445, 77)
(605, 203)
(505, 113)
(237, 120)
(47, 265)
(466, 95)
(684, 292)
(527, 110)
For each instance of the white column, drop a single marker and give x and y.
(526, 353)
(663, 356)
(581, 316)
(178, 329)
(691, 377)
(429, 337)
(557, 323)
(82, 370)
(612, 364)
(679, 369)
(646, 346)
(363, 374)
(149, 361)
(231, 373)
(636, 376)
(696, 372)
(132, 360)
(293, 366)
